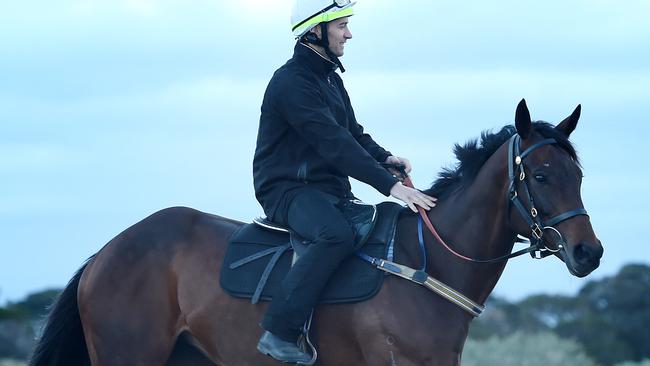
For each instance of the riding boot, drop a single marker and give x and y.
(281, 350)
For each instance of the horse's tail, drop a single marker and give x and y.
(62, 342)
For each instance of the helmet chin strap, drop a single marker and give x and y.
(324, 42)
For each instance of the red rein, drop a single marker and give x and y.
(427, 222)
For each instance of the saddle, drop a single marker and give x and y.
(260, 254)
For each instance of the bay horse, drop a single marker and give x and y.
(151, 296)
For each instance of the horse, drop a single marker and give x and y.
(151, 295)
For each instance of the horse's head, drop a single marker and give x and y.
(546, 182)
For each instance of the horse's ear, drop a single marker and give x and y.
(522, 120)
(569, 124)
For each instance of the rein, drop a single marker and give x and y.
(537, 249)
(424, 218)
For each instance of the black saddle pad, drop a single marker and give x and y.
(355, 280)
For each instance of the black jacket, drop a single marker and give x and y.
(308, 135)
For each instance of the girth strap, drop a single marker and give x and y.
(422, 278)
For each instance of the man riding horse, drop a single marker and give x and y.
(308, 144)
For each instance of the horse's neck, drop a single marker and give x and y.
(474, 223)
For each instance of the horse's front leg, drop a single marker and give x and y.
(359, 334)
(402, 325)
(397, 350)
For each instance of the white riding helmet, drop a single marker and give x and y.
(307, 14)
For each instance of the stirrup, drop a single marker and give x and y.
(305, 344)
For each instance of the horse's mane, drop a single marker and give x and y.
(473, 155)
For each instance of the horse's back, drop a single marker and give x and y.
(149, 280)
(156, 242)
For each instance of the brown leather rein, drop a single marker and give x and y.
(537, 248)
(407, 182)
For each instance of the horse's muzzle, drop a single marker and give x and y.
(585, 258)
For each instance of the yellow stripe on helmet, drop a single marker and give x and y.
(326, 17)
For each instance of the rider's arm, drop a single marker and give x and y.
(305, 110)
(365, 140)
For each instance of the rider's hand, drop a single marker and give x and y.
(397, 160)
(412, 197)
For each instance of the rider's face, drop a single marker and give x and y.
(338, 33)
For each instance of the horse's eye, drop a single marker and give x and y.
(540, 178)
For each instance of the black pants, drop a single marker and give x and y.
(315, 216)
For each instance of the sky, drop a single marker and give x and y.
(112, 110)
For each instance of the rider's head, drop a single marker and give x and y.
(323, 23)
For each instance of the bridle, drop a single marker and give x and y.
(538, 227)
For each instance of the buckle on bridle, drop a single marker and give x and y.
(537, 232)
(541, 253)
(538, 254)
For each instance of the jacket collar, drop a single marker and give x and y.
(314, 60)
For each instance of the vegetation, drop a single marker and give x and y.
(605, 324)
(19, 325)
(11, 362)
(628, 363)
(520, 348)
(609, 318)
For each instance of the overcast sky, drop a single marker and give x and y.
(112, 110)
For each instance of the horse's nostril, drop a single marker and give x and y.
(580, 254)
(586, 254)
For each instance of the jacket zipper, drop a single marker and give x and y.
(302, 172)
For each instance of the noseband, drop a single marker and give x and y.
(534, 221)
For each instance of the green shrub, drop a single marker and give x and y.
(645, 362)
(524, 349)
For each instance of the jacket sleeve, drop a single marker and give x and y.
(305, 110)
(365, 140)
